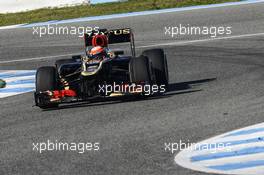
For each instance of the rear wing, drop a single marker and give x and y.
(114, 36)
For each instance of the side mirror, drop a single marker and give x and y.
(119, 52)
(77, 57)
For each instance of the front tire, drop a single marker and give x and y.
(140, 73)
(46, 80)
(139, 70)
(158, 61)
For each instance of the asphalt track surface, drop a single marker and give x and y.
(215, 86)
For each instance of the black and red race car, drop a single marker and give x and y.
(106, 74)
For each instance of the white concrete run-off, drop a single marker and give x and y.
(12, 6)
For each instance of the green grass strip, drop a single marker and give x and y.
(47, 14)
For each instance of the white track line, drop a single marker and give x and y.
(28, 85)
(19, 78)
(148, 46)
(201, 40)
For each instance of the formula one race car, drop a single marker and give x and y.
(102, 72)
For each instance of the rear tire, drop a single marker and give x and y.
(158, 61)
(46, 79)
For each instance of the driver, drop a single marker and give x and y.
(98, 53)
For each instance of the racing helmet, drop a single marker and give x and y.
(100, 40)
(97, 52)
